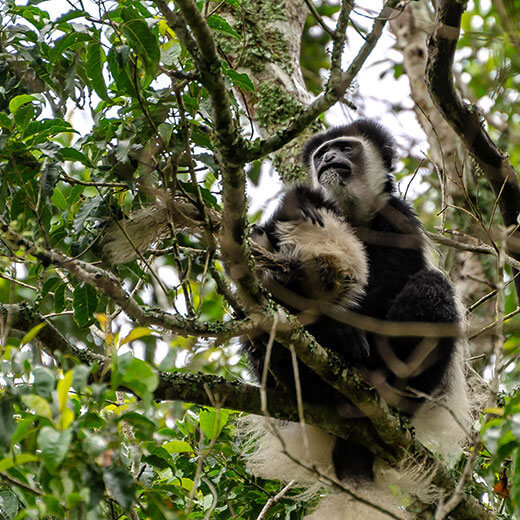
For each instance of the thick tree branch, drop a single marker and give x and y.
(335, 90)
(202, 389)
(198, 388)
(23, 318)
(465, 120)
(208, 62)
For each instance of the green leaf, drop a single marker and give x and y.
(53, 507)
(254, 171)
(22, 458)
(217, 23)
(91, 420)
(139, 421)
(178, 447)
(135, 374)
(71, 154)
(95, 59)
(206, 194)
(49, 178)
(7, 424)
(37, 404)
(212, 421)
(59, 200)
(120, 485)
(44, 381)
(80, 380)
(54, 446)
(50, 284)
(515, 477)
(240, 80)
(63, 43)
(32, 333)
(5, 121)
(185, 483)
(84, 304)
(136, 333)
(23, 116)
(118, 64)
(142, 39)
(158, 451)
(89, 207)
(59, 297)
(9, 504)
(23, 429)
(39, 131)
(94, 444)
(70, 15)
(19, 101)
(63, 388)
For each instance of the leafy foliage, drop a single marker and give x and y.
(102, 113)
(73, 444)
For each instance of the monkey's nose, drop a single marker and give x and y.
(329, 156)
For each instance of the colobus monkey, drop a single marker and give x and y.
(351, 241)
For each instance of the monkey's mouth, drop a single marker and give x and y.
(341, 169)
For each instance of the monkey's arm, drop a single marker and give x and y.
(419, 363)
(328, 260)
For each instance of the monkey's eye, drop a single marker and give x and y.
(345, 148)
(318, 155)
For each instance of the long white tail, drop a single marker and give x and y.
(289, 451)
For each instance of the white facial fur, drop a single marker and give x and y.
(361, 194)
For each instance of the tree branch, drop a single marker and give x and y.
(335, 90)
(477, 247)
(228, 152)
(196, 388)
(105, 282)
(466, 120)
(23, 318)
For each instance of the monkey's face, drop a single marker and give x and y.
(338, 161)
(351, 171)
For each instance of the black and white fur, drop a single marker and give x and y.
(327, 263)
(351, 241)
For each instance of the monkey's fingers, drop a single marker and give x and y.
(311, 212)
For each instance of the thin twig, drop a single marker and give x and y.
(274, 500)
(494, 324)
(299, 398)
(318, 18)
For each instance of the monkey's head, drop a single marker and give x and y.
(353, 165)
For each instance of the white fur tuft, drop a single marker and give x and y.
(123, 239)
(267, 441)
(444, 423)
(340, 506)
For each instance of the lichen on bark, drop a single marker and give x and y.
(275, 106)
(262, 41)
